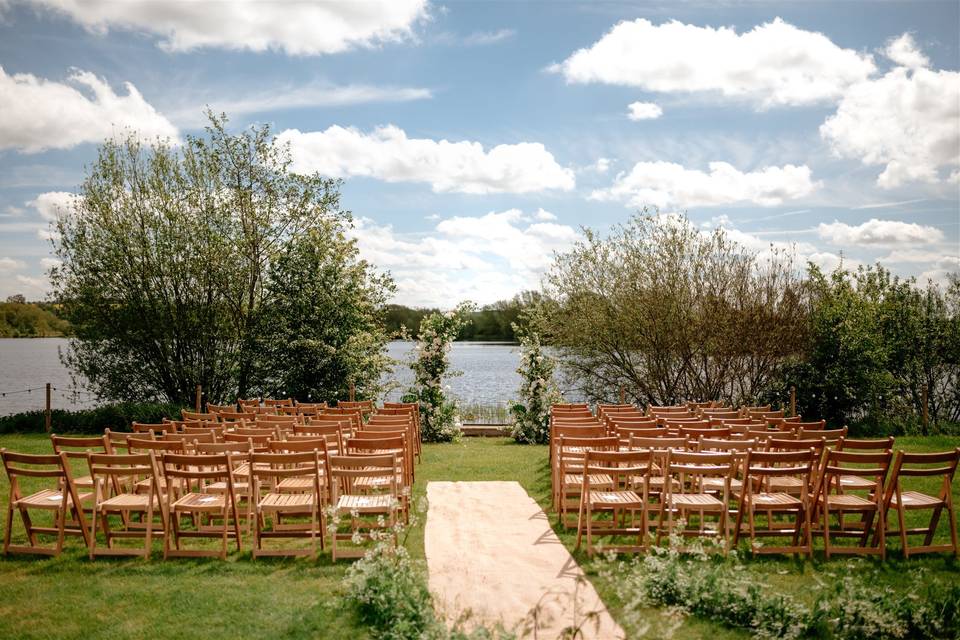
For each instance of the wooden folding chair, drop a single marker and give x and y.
(686, 496)
(571, 461)
(833, 500)
(62, 499)
(193, 472)
(397, 445)
(830, 436)
(193, 416)
(115, 478)
(918, 465)
(273, 469)
(760, 468)
(372, 506)
(623, 493)
(301, 444)
(243, 486)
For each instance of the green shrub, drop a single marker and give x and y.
(852, 608)
(117, 417)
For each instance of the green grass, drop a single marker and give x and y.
(72, 597)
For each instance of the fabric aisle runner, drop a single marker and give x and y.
(491, 552)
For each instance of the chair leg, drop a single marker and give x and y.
(8, 529)
(901, 521)
(93, 532)
(934, 521)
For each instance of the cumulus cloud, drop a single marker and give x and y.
(663, 184)
(388, 154)
(9, 265)
(52, 203)
(773, 64)
(38, 114)
(908, 120)
(876, 232)
(644, 111)
(905, 52)
(482, 258)
(298, 28)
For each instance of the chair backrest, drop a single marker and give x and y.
(588, 431)
(779, 443)
(871, 444)
(765, 414)
(719, 414)
(240, 449)
(830, 435)
(248, 403)
(272, 420)
(272, 467)
(77, 447)
(926, 465)
(278, 402)
(259, 441)
(696, 406)
(706, 443)
(624, 467)
(625, 433)
(356, 418)
(658, 444)
(346, 470)
(800, 464)
(136, 445)
(710, 432)
(218, 408)
(691, 465)
(118, 440)
(121, 472)
(194, 416)
(202, 434)
(237, 416)
(365, 406)
(205, 467)
(53, 466)
(746, 410)
(155, 429)
(871, 465)
(318, 444)
(569, 406)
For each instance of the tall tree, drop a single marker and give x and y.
(165, 256)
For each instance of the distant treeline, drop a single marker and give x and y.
(21, 319)
(492, 322)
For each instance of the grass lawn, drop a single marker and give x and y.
(72, 597)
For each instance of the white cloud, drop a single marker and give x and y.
(602, 165)
(900, 256)
(940, 269)
(51, 203)
(644, 111)
(388, 154)
(481, 38)
(49, 263)
(279, 98)
(9, 265)
(38, 114)
(876, 232)
(544, 216)
(905, 52)
(665, 183)
(907, 120)
(482, 258)
(773, 64)
(298, 28)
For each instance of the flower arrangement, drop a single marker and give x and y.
(439, 415)
(531, 413)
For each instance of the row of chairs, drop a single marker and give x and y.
(212, 480)
(640, 485)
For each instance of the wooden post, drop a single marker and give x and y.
(47, 418)
(199, 395)
(353, 392)
(623, 394)
(793, 401)
(926, 409)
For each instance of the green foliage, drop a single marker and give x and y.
(531, 414)
(391, 596)
(20, 319)
(440, 418)
(116, 417)
(321, 324)
(671, 313)
(494, 322)
(875, 343)
(852, 607)
(167, 256)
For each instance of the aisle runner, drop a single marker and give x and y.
(490, 550)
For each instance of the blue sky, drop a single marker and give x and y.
(475, 138)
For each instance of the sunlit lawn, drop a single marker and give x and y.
(72, 597)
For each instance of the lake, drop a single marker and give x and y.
(489, 373)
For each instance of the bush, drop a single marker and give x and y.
(117, 417)
(852, 608)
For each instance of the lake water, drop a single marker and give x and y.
(489, 374)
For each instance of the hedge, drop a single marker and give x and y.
(117, 417)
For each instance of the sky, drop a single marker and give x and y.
(476, 139)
